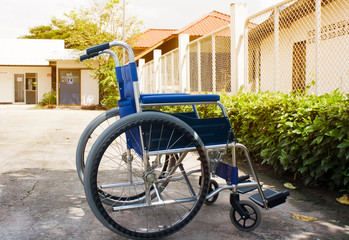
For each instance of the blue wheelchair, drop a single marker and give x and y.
(148, 174)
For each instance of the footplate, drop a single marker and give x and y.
(272, 197)
(245, 179)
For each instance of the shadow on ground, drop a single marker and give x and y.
(45, 204)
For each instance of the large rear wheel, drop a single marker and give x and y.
(161, 182)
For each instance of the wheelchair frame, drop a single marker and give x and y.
(237, 185)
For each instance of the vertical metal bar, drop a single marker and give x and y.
(233, 153)
(233, 57)
(165, 75)
(123, 30)
(214, 63)
(129, 162)
(199, 67)
(233, 163)
(317, 42)
(276, 45)
(172, 71)
(187, 69)
(246, 58)
(159, 74)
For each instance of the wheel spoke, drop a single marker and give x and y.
(161, 198)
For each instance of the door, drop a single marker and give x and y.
(69, 87)
(31, 88)
(19, 87)
(299, 66)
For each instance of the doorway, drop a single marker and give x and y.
(69, 87)
(19, 88)
(299, 66)
(31, 80)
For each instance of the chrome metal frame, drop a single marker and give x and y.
(219, 147)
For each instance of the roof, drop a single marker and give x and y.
(206, 24)
(32, 52)
(151, 37)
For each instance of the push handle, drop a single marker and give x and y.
(105, 46)
(86, 56)
(111, 53)
(97, 48)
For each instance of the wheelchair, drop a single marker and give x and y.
(148, 173)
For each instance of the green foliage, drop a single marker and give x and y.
(49, 98)
(87, 27)
(305, 135)
(108, 87)
(57, 29)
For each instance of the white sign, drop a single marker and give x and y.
(19, 79)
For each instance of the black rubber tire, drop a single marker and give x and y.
(212, 186)
(163, 220)
(250, 223)
(90, 135)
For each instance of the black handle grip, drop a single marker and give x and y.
(97, 48)
(86, 56)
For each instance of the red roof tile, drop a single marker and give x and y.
(208, 23)
(151, 37)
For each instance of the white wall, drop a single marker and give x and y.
(333, 63)
(7, 92)
(89, 88)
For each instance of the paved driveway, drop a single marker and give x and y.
(42, 198)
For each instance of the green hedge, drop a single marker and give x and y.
(306, 135)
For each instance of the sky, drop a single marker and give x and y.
(18, 16)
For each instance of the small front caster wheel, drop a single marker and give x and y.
(248, 223)
(212, 186)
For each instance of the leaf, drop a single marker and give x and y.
(290, 186)
(310, 161)
(343, 200)
(303, 218)
(344, 144)
(290, 124)
(317, 140)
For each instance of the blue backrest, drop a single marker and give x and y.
(125, 76)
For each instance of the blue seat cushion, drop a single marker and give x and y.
(178, 98)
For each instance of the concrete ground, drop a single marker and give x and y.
(41, 196)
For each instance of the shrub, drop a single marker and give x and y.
(49, 98)
(306, 135)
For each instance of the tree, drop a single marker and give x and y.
(86, 27)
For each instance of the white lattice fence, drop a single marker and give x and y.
(209, 67)
(169, 72)
(148, 82)
(299, 45)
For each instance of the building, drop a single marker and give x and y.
(29, 68)
(168, 39)
(310, 48)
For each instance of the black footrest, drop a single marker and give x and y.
(246, 189)
(273, 198)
